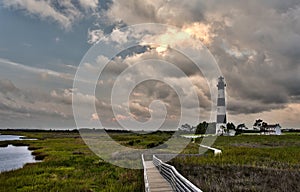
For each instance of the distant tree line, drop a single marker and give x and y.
(204, 127)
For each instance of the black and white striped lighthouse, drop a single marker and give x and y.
(221, 107)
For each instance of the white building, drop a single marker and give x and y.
(266, 129)
(271, 130)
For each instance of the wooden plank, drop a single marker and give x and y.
(156, 180)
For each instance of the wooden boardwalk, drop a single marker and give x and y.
(155, 179)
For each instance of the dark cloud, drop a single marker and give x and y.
(174, 12)
(19, 105)
(258, 52)
(237, 107)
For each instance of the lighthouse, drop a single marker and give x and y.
(221, 107)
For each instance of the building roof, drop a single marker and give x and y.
(273, 126)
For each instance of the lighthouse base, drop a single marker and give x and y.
(220, 128)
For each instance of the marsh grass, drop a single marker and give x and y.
(68, 165)
(141, 141)
(248, 163)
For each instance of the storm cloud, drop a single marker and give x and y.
(256, 44)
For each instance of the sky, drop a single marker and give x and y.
(256, 45)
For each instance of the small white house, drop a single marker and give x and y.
(272, 130)
(266, 129)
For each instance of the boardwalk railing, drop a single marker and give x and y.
(216, 151)
(147, 187)
(177, 181)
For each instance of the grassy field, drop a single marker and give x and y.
(248, 163)
(68, 165)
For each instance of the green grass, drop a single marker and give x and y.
(141, 141)
(248, 163)
(68, 165)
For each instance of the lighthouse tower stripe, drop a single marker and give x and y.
(221, 102)
(221, 93)
(221, 110)
(221, 119)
